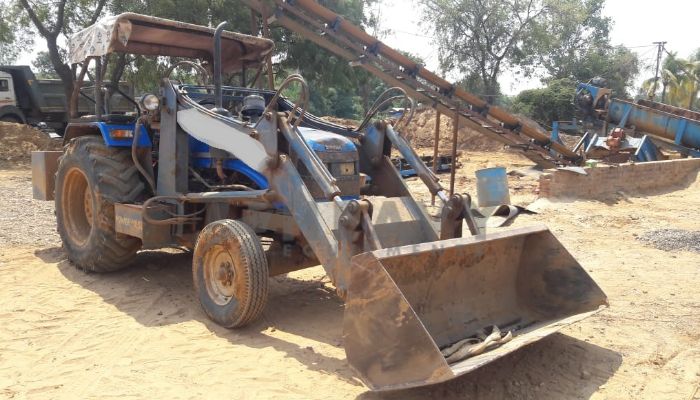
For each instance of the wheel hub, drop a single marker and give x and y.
(77, 207)
(220, 276)
(225, 274)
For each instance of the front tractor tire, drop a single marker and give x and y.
(91, 178)
(230, 273)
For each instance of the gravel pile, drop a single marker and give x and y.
(673, 239)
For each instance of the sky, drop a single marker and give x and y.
(637, 24)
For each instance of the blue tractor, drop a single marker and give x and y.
(216, 169)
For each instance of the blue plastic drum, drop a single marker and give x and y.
(492, 187)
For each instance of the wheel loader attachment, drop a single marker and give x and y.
(405, 304)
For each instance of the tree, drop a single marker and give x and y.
(480, 38)
(54, 18)
(566, 34)
(680, 79)
(552, 103)
(617, 64)
(43, 68)
(14, 36)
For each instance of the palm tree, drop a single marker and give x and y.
(680, 81)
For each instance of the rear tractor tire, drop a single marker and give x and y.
(230, 273)
(91, 178)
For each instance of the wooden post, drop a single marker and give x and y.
(435, 149)
(455, 130)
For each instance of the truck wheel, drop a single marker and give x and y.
(92, 177)
(10, 118)
(230, 273)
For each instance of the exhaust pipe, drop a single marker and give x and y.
(218, 96)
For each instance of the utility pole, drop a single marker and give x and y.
(661, 46)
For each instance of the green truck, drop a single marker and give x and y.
(42, 102)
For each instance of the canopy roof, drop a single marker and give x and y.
(146, 35)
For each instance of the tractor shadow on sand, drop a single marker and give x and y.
(157, 291)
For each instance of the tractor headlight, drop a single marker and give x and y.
(150, 102)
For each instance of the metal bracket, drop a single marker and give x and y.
(356, 235)
(335, 25)
(514, 128)
(457, 210)
(374, 49)
(625, 116)
(413, 73)
(682, 124)
(448, 92)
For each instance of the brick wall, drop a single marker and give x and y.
(606, 180)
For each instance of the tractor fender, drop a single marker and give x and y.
(12, 112)
(78, 129)
(255, 176)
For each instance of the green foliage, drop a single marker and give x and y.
(680, 81)
(480, 38)
(14, 35)
(566, 34)
(565, 39)
(42, 66)
(336, 88)
(552, 103)
(572, 41)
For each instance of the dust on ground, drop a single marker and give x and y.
(141, 333)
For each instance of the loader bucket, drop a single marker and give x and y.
(406, 303)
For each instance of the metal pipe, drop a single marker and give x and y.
(436, 143)
(134, 157)
(268, 59)
(381, 101)
(414, 161)
(659, 120)
(218, 97)
(308, 157)
(99, 99)
(453, 171)
(304, 100)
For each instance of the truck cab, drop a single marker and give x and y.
(8, 102)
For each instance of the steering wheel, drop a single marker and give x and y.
(202, 73)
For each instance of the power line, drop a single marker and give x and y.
(639, 47)
(413, 34)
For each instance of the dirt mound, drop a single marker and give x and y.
(341, 121)
(17, 142)
(421, 133)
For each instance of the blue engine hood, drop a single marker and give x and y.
(322, 141)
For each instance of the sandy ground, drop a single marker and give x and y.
(140, 333)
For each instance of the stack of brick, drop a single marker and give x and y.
(606, 180)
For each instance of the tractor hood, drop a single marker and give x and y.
(322, 141)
